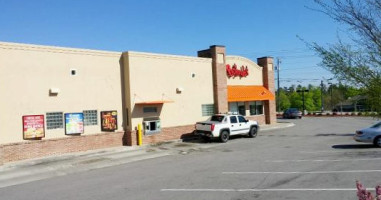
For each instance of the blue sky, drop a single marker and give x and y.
(249, 28)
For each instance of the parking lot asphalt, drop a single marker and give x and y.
(59, 165)
(315, 159)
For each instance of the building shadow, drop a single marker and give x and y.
(353, 146)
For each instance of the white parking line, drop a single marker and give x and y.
(313, 172)
(263, 190)
(334, 160)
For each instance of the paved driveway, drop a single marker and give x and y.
(316, 159)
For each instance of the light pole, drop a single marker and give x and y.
(302, 91)
(278, 92)
(322, 98)
(331, 89)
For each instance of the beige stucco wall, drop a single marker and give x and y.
(255, 71)
(27, 72)
(155, 77)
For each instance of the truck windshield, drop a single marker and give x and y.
(217, 118)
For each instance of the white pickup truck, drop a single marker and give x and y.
(223, 125)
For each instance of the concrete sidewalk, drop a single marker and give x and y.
(37, 169)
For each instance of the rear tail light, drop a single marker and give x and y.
(212, 127)
(359, 132)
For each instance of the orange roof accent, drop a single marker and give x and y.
(153, 102)
(249, 93)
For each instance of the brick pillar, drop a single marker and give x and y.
(268, 82)
(217, 53)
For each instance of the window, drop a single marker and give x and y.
(90, 117)
(376, 125)
(237, 108)
(151, 127)
(207, 109)
(217, 118)
(256, 107)
(54, 120)
(233, 119)
(241, 119)
(150, 109)
(241, 108)
(233, 107)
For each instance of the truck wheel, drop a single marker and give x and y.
(377, 141)
(253, 132)
(224, 136)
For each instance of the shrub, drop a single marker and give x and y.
(360, 114)
(362, 194)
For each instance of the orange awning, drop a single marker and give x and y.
(152, 102)
(249, 93)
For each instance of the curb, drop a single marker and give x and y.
(288, 125)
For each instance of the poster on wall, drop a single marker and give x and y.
(33, 126)
(74, 123)
(109, 120)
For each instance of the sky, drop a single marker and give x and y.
(249, 28)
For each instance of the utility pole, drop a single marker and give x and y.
(278, 92)
(321, 93)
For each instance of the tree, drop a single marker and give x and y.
(284, 102)
(316, 96)
(296, 100)
(358, 63)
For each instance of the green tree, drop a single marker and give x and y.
(316, 97)
(358, 63)
(308, 101)
(296, 100)
(284, 101)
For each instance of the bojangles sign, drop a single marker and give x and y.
(234, 71)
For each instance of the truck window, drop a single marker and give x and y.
(241, 119)
(233, 119)
(217, 118)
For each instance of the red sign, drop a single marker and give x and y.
(33, 126)
(234, 71)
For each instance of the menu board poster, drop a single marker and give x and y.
(74, 123)
(33, 126)
(109, 121)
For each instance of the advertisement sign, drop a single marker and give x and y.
(234, 71)
(33, 126)
(73, 123)
(109, 120)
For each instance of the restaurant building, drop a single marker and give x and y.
(58, 100)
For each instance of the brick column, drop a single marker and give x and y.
(217, 53)
(268, 82)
